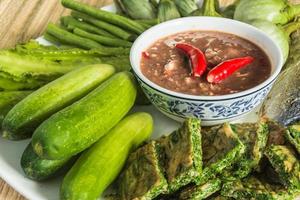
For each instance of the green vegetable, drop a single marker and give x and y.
(275, 11)
(120, 63)
(114, 42)
(138, 9)
(109, 17)
(97, 168)
(29, 69)
(285, 164)
(167, 10)
(70, 21)
(27, 115)
(200, 192)
(115, 30)
(94, 115)
(8, 83)
(281, 35)
(51, 38)
(8, 100)
(293, 136)
(70, 38)
(142, 166)
(186, 7)
(40, 169)
(228, 12)
(208, 9)
(151, 22)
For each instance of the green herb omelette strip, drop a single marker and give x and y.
(8, 99)
(253, 188)
(221, 149)
(100, 165)
(115, 19)
(200, 192)
(254, 137)
(285, 164)
(115, 30)
(102, 39)
(182, 154)
(27, 115)
(142, 178)
(293, 136)
(40, 169)
(94, 115)
(70, 21)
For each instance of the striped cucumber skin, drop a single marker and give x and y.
(98, 167)
(8, 99)
(78, 126)
(27, 115)
(39, 169)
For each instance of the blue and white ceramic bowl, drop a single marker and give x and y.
(210, 109)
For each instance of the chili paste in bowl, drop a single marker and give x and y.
(169, 67)
(211, 68)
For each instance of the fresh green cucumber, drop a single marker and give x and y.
(27, 115)
(8, 100)
(97, 168)
(78, 126)
(39, 169)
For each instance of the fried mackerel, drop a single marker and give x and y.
(255, 137)
(142, 177)
(293, 136)
(181, 155)
(254, 188)
(221, 148)
(286, 165)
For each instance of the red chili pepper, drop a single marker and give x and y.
(227, 68)
(196, 57)
(145, 54)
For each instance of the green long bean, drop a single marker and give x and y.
(102, 39)
(106, 26)
(105, 16)
(70, 21)
(72, 39)
(69, 38)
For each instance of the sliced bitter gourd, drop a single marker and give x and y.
(253, 188)
(293, 136)
(285, 163)
(195, 192)
(221, 149)
(182, 155)
(142, 177)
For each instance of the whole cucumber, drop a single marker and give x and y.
(39, 169)
(27, 115)
(78, 126)
(97, 168)
(8, 99)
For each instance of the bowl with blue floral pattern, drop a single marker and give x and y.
(211, 109)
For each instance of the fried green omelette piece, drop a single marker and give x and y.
(254, 188)
(293, 136)
(254, 136)
(195, 192)
(142, 177)
(285, 163)
(221, 149)
(181, 154)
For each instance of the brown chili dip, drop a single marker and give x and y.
(169, 68)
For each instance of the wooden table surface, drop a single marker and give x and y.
(21, 20)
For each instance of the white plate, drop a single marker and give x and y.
(10, 154)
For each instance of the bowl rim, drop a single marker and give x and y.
(145, 80)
